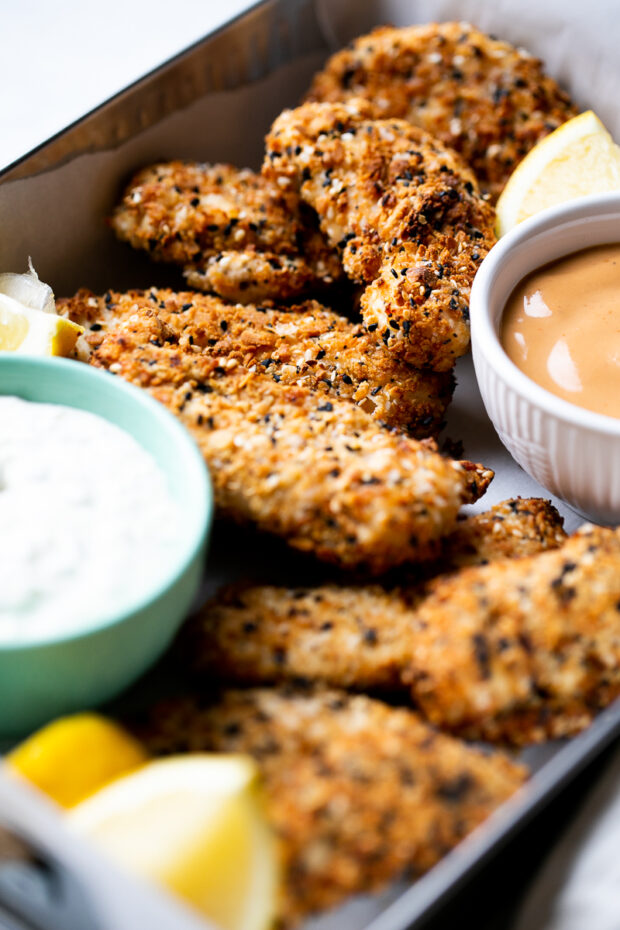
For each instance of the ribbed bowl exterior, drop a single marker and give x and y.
(573, 453)
(578, 465)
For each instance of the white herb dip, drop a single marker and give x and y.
(87, 523)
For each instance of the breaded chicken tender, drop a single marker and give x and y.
(516, 651)
(323, 475)
(525, 650)
(231, 230)
(359, 637)
(358, 793)
(511, 529)
(405, 213)
(306, 344)
(489, 101)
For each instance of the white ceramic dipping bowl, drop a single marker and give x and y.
(572, 452)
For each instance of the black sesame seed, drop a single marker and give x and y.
(456, 788)
(481, 652)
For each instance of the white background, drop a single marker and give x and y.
(60, 59)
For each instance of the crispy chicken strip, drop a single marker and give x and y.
(359, 793)
(511, 529)
(307, 345)
(359, 637)
(405, 213)
(516, 651)
(489, 101)
(524, 650)
(323, 475)
(233, 231)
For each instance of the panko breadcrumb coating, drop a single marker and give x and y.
(403, 210)
(522, 650)
(358, 637)
(323, 475)
(489, 101)
(358, 793)
(511, 529)
(517, 651)
(306, 344)
(231, 230)
(348, 637)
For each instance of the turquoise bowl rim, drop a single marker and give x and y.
(202, 494)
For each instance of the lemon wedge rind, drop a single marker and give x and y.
(75, 756)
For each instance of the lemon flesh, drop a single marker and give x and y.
(75, 756)
(34, 332)
(577, 159)
(195, 824)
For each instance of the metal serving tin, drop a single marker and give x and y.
(215, 102)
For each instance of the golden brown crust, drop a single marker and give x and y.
(350, 637)
(234, 232)
(487, 100)
(405, 213)
(523, 650)
(511, 529)
(347, 637)
(325, 476)
(306, 345)
(359, 793)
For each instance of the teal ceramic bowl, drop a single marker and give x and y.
(55, 675)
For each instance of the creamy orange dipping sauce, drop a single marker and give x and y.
(561, 327)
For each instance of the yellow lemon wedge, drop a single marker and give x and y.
(75, 756)
(578, 158)
(194, 823)
(35, 332)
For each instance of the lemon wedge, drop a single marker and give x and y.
(194, 823)
(578, 158)
(29, 324)
(34, 332)
(75, 756)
